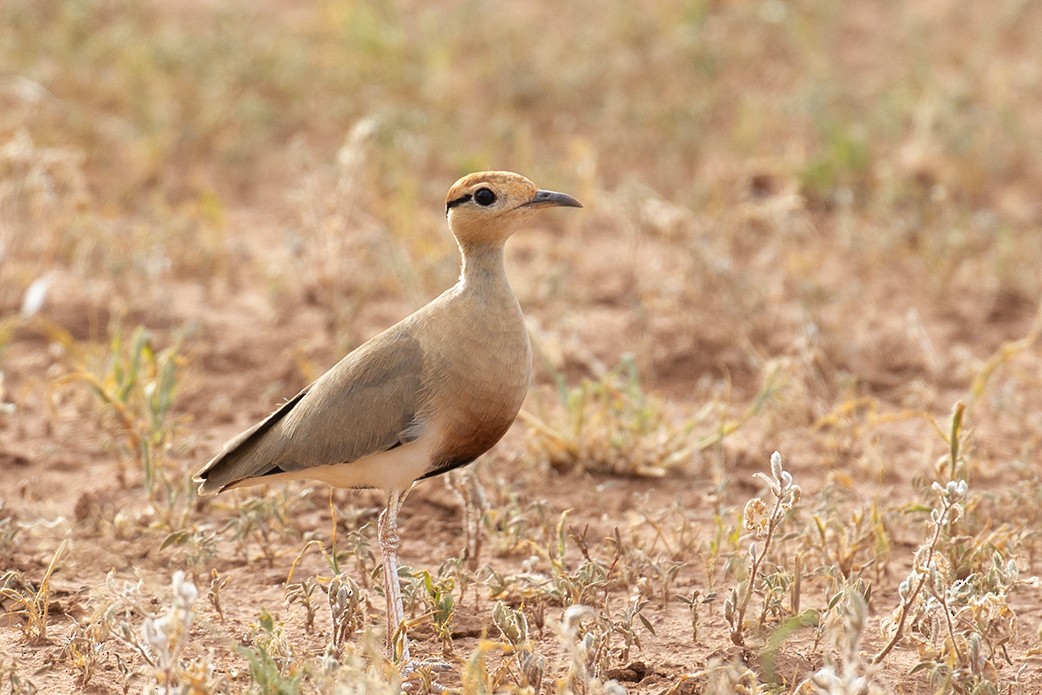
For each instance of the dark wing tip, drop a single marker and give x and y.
(206, 486)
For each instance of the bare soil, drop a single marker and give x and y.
(63, 479)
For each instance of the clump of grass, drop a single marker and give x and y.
(850, 541)
(580, 647)
(614, 632)
(262, 521)
(346, 608)
(84, 650)
(952, 605)
(303, 592)
(110, 617)
(477, 674)
(965, 626)
(273, 665)
(33, 603)
(194, 546)
(213, 595)
(509, 524)
(160, 643)
(694, 603)
(358, 671)
(348, 601)
(924, 570)
(166, 636)
(136, 385)
(19, 684)
(9, 530)
(623, 625)
(843, 624)
(513, 627)
(440, 602)
(610, 426)
(720, 678)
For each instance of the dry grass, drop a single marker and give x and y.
(809, 227)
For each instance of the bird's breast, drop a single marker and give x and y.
(479, 378)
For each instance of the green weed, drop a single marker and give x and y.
(611, 426)
(136, 385)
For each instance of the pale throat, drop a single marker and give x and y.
(483, 267)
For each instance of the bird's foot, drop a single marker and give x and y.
(420, 675)
(408, 665)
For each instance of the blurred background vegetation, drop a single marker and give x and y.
(783, 150)
(810, 226)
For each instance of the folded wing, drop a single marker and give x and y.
(367, 403)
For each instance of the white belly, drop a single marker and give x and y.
(395, 469)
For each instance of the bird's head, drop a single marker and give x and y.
(487, 207)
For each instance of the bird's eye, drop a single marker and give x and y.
(484, 197)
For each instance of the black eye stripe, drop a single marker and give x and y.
(483, 197)
(458, 201)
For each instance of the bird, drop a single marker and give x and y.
(429, 394)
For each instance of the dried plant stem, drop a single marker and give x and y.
(922, 576)
(951, 628)
(786, 495)
(737, 635)
(36, 606)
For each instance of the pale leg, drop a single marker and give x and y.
(389, 542)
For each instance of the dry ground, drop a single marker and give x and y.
(810, 227)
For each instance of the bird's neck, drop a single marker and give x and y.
(483, 269)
